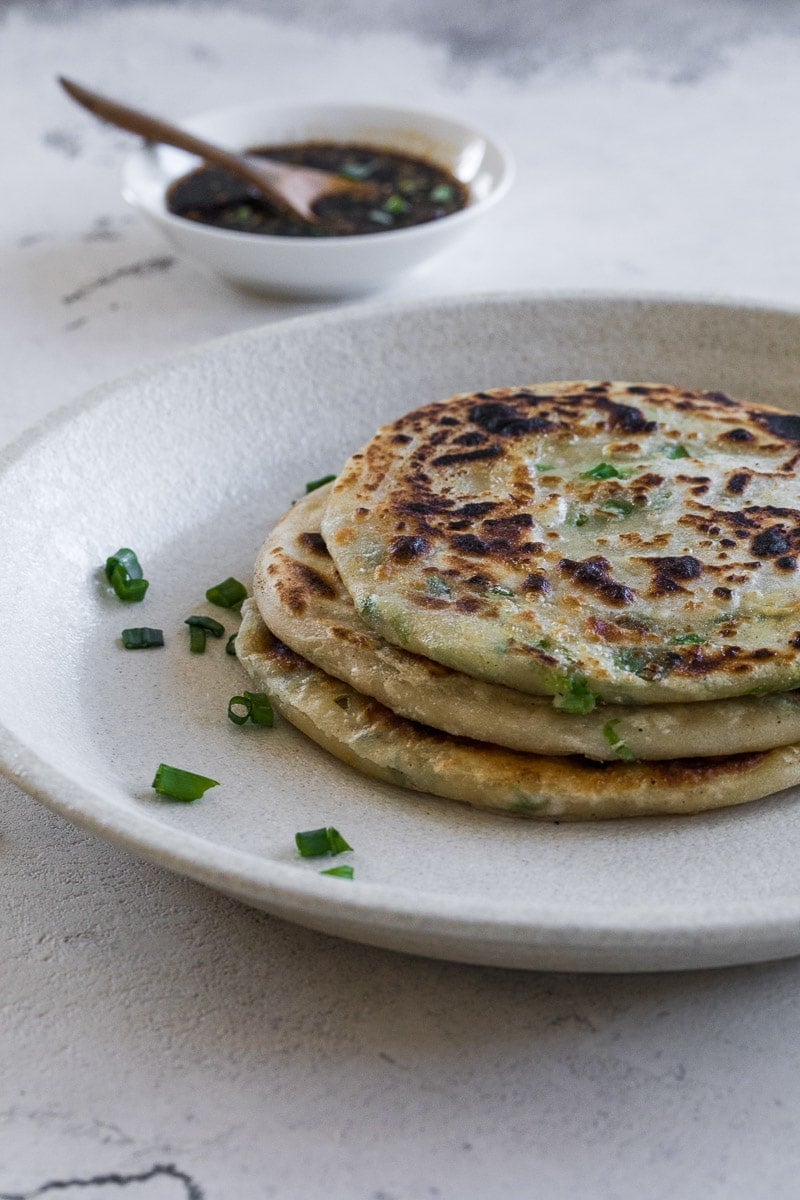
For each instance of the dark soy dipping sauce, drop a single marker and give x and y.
(411, 192)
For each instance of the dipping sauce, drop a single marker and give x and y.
(411, 191)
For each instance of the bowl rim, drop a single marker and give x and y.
(144, 157)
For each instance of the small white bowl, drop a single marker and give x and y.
(323, 267)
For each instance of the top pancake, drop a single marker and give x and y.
(632, 542)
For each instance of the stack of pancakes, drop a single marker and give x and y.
(571, 600)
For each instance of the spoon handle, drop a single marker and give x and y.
(156, 130)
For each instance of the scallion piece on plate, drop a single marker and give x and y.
(314, 843)
(124, 573)
(227, 594)
(251, 706)
(318, 483)
(208, 623)
(142, 638)
(181, 785)
(230, 647)
(197, 639)
(343, 872)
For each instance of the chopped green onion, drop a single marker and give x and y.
(197, 639)
(498, 590)
(615, 504)
(368, 608)
(442, 193)
(616, 743)
(314, 843)
(227, 594)
(574, 695)
(318, 483)
(542, 467)
(359, 170)
(380, 217)
(603, 470)
(181, 785)
(396, 205)
(343, 872)
(230, 645)
(687, 639)
(436, 586)
(142, 638)
(677, 451)
(124, 573)
(208, 623)
(257, 709)
(581, 519)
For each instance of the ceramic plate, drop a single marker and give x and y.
(190, 464)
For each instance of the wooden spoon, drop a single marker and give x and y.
(290, 188)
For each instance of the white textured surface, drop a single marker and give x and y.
(147, 1022)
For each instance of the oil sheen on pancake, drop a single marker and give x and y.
(366, 735)
(303, 601)
(635, 543)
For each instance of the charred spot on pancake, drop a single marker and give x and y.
(448, 421)
(481, 582)
(405, 549)
(477, 508)
(468, 543)
(402, 439)
(296, 581)
(625, 416)
(314, 542)
(469, 604)
(786, 562)
(728, 543)
(351, 636)
(737, 435)
(723, 593)
(445, 460)
(607, 631)
(593, 575)
(738, 482)
(635, 389)
(671, 572)
(770, 542)
(721, 399)
(473, 438)
(762, 654)
(782, 425)
(537, 582)
(505, 421)
(794, 641)
(649, 480)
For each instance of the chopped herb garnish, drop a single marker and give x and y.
(181, 785)
(381, 218)
(124, 573)
(436, 586)
(498, 590)
(574, 695)
(359, 170)
(677, 451)
(251, 706)
(343, 872)
(368, 607)
(318, 483)
(581, 519)
(616, 504)
(142, 638)
(396, 205)
(314, 843)
(687, 639)
(230, 645)
(542, 467)
(197, 639)
(442, 194)
(604, 470)
(228, 594)
(634, 661)
(208, 623)
(616, 743)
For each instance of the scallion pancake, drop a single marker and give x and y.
(632, 542)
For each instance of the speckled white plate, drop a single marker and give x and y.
(189, 464)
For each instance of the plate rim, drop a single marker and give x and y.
(282, 885)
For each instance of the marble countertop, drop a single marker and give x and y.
(162, 1040)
